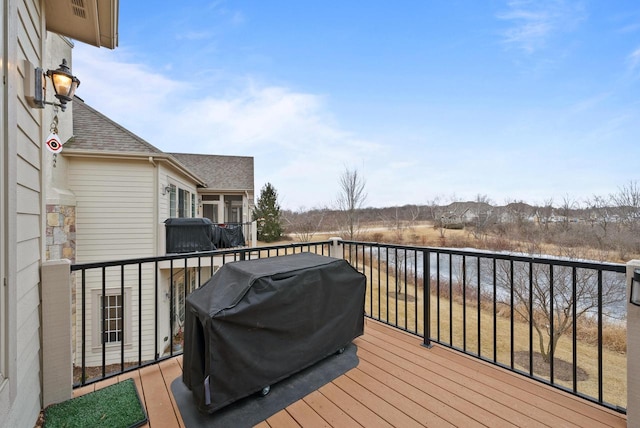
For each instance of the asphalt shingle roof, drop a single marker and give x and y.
(220, 172)
(95, 132)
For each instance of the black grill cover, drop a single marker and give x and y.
(259, 321)
(228, 236)
(188, 235)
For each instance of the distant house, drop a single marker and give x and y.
(116, 191)
(229, 195)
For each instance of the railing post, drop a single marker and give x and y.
(254, 234)
(633, 353)
(57, 368)
(426, 298)
(335, 250)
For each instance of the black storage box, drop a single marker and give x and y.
(259, 321)
(188, 235)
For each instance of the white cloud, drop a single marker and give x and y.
(125, 91)
(296, 143)
(634, 60)
(301, 148)
(534, 22)
(195, 35)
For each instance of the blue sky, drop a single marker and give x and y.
(515, 100)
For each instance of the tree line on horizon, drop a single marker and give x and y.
(608, 223)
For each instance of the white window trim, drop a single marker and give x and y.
(96, 324)
(189, 206)
(181, 282)
(215, 209)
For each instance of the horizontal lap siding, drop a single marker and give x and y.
(115, 207)
(93, 281)
(115, 203)
(28, 214)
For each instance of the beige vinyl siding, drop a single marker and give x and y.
(4, 152)
(114, 209)
(115, 220)
(24, 135)
(120, 213)
(92, 315)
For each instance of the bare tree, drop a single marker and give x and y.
(305, 224)
(483, 215)
(544, 295)
(396, 222)
(436, 212)
(627, 201)
(517, 212)
(599, 216)
(350, 199)
(545, 213)
(566, 211)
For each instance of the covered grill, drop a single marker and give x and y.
(187, 235)
(257, 322)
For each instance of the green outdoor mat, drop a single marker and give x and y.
(115, 406)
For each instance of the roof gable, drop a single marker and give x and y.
(95, 132)
(220, 172)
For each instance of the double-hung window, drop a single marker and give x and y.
(111, 317)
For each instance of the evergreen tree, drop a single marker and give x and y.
(267, 214)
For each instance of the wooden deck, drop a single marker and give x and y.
(399, 383)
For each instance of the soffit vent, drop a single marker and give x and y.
(79, 9)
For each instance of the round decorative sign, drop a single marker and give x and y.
(53, 143)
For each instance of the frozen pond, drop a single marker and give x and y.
(535, 276)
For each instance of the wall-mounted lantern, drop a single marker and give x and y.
(635, 288)
(64, 85)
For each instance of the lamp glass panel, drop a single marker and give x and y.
(62, 84)
(72, 90)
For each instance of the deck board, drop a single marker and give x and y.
(440, 374)
(400, 383)
(157, 398)
(301, 411)
(331, 413)
(171, 370)
(398, 398)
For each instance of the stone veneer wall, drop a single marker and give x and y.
(61, 244)
(61, 232)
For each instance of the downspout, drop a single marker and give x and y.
(246, 209)
(156, 205)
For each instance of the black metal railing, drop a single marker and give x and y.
(541, 317)
(129, 312)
